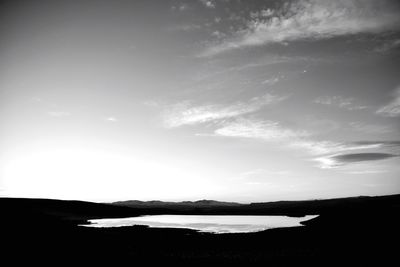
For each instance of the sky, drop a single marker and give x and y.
(230, 100)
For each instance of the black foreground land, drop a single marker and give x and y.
(360, 231)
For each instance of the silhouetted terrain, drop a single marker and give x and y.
(293, 208)
(358, 231)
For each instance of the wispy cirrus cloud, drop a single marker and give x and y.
(271, 81)
(379, 143)
(392, 109)
(268, 130)
(259, 129)
(329, 147)
(185, 114)
(339, 101)
(312, 19)
(329, 154)
(335, 161)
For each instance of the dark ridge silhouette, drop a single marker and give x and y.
(291, 208)
(360, 231)
(157, 203)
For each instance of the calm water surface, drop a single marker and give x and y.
(206, 223)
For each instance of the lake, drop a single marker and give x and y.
(206, 223)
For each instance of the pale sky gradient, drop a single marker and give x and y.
(183, 100)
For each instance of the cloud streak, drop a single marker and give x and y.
(258, 129)
(335, 161)
(313, 19)
(329, 154)
(186, 114)
(339, 101)
(379, 143)
(329, 147)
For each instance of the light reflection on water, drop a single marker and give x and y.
(206, 223)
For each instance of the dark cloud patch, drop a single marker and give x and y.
(357, 157)
(338, 160)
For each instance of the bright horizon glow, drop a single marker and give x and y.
(88, 174)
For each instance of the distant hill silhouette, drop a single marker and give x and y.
(157, 203)
(267, 208)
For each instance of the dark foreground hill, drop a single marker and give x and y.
(360, 231)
